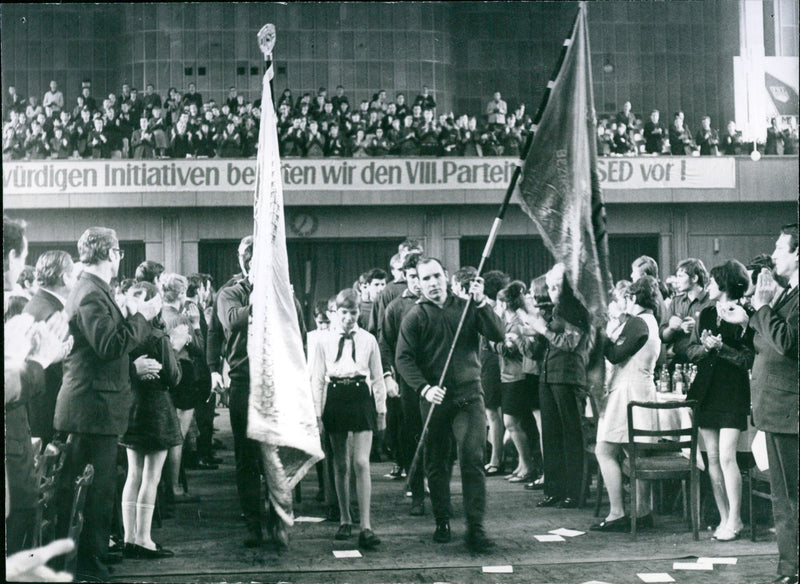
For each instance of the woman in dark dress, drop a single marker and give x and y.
(724, 353)
(153, 428)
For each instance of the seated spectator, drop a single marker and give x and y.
(680, 139)
(408, 145)
(373, 122)
(158, 125)
(732, 140)
(80, 133)
(490, 145)
(775, 138)
(54, 97)
(425, 99)
(180, 144)
(344, 113)
(496, 111)
(136, 105)
(118, 131)
(98, 138)
(335, 146)
(315, 142)
(204, 141)
(192, 97)
(327, 117)
(510, 137)
(13, 144)
(294, 139)
(250, 136)
(706, 138)
(60, 144)
(655, 137)
(470, 138)
(379, 145)
(232, 101)
(448, 136)
(285, 98)
(428, 135)
(359, 145)
(88, 100)
(80, 103)
(142, 141)
(401, 106)
(173, 106)
(36, 144)
(229, 143)
(605, 139)
(621, 144)
(13, 102)
(626, 117)
(150, 99)
(34, 108)
(338, 98)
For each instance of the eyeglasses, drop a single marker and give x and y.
(120, 252)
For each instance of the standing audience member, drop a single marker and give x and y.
(774, 387)
(724, 355)
(632, 351)
(684, 311)
(350, 396)
(95, 395)
(426, 334)
(654, 134)
(775, 138)
(153, 428)
(706, 138)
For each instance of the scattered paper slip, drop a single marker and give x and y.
(347, 553)
(546, 538)
(566, 532)
(731, 561)
(303, 519)
(691, 566)
(655, 577)
(498, 570)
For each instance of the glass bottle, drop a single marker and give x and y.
(678, 384)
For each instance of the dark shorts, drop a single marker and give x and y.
(716, 419)
(349, 407)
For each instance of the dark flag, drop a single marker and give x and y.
(560, 188)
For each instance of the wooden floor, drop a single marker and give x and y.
(207, 536)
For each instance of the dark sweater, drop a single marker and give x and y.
(233, 310)
(390, 330)
(426, 334)
(632, 338)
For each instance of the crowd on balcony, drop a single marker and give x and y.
(185, 125)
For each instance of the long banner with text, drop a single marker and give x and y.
(52, 176)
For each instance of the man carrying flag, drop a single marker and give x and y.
(261, 309)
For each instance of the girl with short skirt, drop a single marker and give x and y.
(350, 397)
(724, 353)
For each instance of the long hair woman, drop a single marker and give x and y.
(349, 396)
(632, 350)
(724, 353)
(153, 428)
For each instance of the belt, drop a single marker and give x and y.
(348, 380)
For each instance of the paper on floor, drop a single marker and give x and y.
(655, 577)
(498, 570)
(566, 532)
(730, 561)
(303, 519)
(549, 538)
(691, 566)
(347, 553)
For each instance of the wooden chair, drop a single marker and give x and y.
(82, 484)
(758, 485)
(589, 435)
(662, 457)
(48, 467)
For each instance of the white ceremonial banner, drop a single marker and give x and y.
(280, 413)
(42, 177)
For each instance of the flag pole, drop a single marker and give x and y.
(490, 241)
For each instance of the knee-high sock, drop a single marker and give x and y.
(129, 521)
(144, 520)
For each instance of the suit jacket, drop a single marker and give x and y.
(775, 377)
(95, 395)
(42, 407)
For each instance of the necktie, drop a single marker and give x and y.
(342, 339)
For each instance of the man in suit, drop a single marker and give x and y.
(774, 388)
(55, 274)
(95, 397)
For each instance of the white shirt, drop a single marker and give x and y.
(323, 364)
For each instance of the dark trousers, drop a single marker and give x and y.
(466, 420)
(247, 454)
(409, 438)
(561, 440)
(204, 414)
(394, 426)
(101, 452)
(782, 452)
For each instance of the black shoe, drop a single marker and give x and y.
(144, 553)
(534, 486)
(478, 542)
(368, 540)
(129, 551)
(442, 533)
(619, 525)
(644, 521)
(417, 509)
(568, 503)
(254, 539)
(344, 532)
(549, 502)
(397, 473)
(785, 580)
